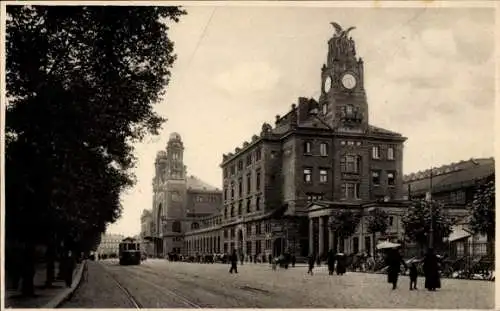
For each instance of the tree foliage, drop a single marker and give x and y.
(81, 82)
(417, 222)
(344, 223)
(482, 208)
(377, 221)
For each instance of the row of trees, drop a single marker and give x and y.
(82, 82)
(417, 220)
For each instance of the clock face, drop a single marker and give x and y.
(348, 81)
(328, 84)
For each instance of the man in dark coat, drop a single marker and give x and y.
(341, 263)
(68, 268)
(394, 262)
(310, 261)
(234, 262)
(331, 262)
(431, 271)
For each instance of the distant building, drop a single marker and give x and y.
(110, 244)
(453, 185)
(178, 201)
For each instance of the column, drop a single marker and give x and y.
(321, 239)
(330, 238)
(311, 236)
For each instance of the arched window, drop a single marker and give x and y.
(176, 226)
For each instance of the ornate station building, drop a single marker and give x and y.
(282, 188)
(179, 201)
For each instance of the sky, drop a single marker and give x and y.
(429, 74)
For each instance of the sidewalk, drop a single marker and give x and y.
(44, 297)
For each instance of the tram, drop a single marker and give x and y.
(129, 252)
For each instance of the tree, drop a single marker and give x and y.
(343, 224)
(482, 209)
(417, 220)
(377, 223)
(81, 84)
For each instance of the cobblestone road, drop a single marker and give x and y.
(158, 283)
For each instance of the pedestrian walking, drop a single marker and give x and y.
(331, 261)
(311, 261)
(234, 262)
(394, 261)
(413, 276)
(341, 263)
(431, 271)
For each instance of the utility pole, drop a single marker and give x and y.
(431, 229)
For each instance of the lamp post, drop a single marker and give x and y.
(429, 199)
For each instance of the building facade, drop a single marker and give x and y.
(178, 201)
(454, 185)
(110, 244)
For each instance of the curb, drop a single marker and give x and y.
(68, 292)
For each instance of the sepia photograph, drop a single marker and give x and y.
(270, 154)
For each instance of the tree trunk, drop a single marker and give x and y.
(28, 270)
(50, 269)
(374, 245)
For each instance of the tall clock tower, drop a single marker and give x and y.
(343, 101)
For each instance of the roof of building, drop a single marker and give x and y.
(452, 174)
(378, 130)
(194, 183)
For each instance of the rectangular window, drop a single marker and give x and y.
(391, 221)
(257, 180)
(323, 149)
(249, 229)
(368, 244)
(240, 208)
(233, 169)
(323, 176)
(350, 164)
(225, 172)
(232, 210)
(375, 152)
(258, 228)
(257, 203)
(307, 147)
(376, 178)
(350, 191)
(249, 206)
(240, 187)
(391, 178)
(232, 190)
(249, 183)
(308, 175)
(258, 154)
(249, 160)
(355, 245)
(240, 165)
(390, 153)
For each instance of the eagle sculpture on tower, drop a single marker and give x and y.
(339, 31)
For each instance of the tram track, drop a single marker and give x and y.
(130, 297)
(186, 302)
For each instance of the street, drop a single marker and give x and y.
(163, 284)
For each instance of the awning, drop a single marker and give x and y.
(458, 234)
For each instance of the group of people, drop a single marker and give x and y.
(336, 262)
(430, 265)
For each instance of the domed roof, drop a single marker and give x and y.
(161, 154)
(174, 136)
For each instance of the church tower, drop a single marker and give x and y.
(343, 101)
(175, 162)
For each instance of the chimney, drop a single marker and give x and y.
(293, 116)
(277, 122)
